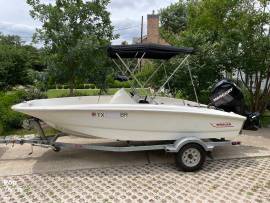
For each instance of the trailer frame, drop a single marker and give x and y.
(204, 146)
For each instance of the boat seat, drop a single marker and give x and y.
(122, 97)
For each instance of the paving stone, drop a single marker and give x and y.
(237, 180)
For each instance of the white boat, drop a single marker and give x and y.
(125, 117)
(188, 129)
(122, 118)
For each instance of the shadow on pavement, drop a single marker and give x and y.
(262, 132)
(3, 149)
(81, 159)
(78, 159)
(242, 151)
(142, 168)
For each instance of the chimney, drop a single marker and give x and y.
(153, 28)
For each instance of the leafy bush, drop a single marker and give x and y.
(65, 86)
(92, 86)
(33, 93)
(265, 119)
(80, 86)
(54, 87)
(179, 95)
(77, 93)
(247, 96)
(118, 84)
(112, 83)
(87, 86)
(204, 96)
(147, 70)
(10, 119)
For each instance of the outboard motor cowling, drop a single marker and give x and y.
(227, 95)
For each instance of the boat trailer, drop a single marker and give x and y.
(190, 151)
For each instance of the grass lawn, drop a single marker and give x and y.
(266, 119)
(53, 93)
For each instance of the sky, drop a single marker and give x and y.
(125, 16)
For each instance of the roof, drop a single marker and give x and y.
(151, 51)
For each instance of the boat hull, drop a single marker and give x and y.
(140, 122)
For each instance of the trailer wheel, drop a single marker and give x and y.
(190, 157)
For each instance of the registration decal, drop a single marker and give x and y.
(110, 115)
(98, 114)
(222, 125)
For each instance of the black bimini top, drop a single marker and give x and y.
(150, 51)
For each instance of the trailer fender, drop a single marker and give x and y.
(178, 144)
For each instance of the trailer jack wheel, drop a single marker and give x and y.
(56, 149)
(190, 157)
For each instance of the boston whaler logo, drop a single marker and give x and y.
(222, 125)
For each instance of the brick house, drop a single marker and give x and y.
(153, 35)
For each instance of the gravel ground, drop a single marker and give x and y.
(235, 180)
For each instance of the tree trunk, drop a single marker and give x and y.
(71, 89)
(72, 79)
(72, 84)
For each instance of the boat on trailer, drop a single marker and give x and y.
(128, 117)
(189, 128)
(123, 118)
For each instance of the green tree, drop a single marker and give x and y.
(229, 36)
(176, 29)
(174, 20)
(72, 32)
(12, 66)
(19, 63)
(15, 62)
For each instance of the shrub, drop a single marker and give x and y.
(10, 119)
(204, 96)
(33, 93)
(179, 95)
(89, 86)
(76, 94)
(80, 86)
(265, 119)
(65, 86)
(92, 86)
(247, 96)
(118, 84)
(147, 70)
(53, 87)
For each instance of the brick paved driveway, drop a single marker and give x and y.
(236, 180)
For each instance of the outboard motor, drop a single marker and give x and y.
(227, 96)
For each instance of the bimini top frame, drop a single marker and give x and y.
(149, 51)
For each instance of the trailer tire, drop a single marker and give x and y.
(190, 157)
